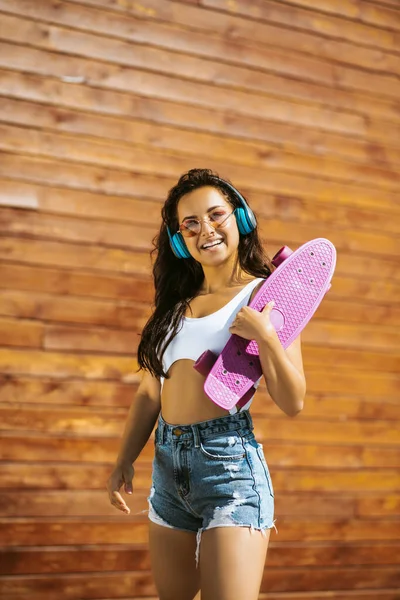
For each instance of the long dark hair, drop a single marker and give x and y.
(178, 281)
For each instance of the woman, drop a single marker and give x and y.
(210, 479)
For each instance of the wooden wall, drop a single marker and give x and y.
(103, 104)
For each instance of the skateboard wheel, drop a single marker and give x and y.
(205, 362)
(281, 255)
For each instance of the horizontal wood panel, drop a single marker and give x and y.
(42, 391)
(63, 281)
(140, 583)
(108, 105)
(139, 237)
(386, 594)
(24, 332)
(103, 423)
(58, 559)
(229, 20)
(366, 12)
(301, 486)
(119, 260)
(111, 181)
(343, 83)
(76, 149)
(230, 26)
(168, 35)
(116, 209)
(300, 18)
(81, 448)
(59, 365)
(110, 76)
(267, 155)
(66, 532)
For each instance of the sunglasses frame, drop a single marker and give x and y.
(207, 220)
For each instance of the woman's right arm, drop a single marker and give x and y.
(140, 422)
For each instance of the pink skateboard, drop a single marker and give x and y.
(297, 286)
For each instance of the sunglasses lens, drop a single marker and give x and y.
(190, 228)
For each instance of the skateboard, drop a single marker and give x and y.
(297, 285)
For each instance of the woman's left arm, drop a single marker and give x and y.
(284, 373)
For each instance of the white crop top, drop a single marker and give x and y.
(207, 333)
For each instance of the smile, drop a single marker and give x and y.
(211, 244)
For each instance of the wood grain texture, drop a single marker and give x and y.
(103, 104)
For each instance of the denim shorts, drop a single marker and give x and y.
(210, 474)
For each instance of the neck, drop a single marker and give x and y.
(222, 277)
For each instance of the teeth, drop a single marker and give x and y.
(216, 243)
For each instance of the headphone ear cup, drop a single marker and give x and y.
(245, 219)
(178, 246)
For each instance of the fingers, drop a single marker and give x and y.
(268, 307)
(120, 477)
(117, 501)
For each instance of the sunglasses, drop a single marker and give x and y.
(191, 227)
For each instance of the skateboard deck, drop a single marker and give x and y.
(297, 286)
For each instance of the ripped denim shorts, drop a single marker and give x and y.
(210, 474)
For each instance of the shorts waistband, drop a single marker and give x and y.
(203, 429)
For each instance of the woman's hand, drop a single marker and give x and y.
(253, 325)
(122, 475)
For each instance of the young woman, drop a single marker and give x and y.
(211, 482)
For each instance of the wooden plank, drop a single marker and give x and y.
(193, 143)
(140, 583)
(88, 504)
(118, 209)
(122, 235)
(38, 390)
(33, 447)
(18, 332)
(28, 223)
(310, 74)
(329, 382)
(299, 18)
(169, 36)
(61, 420)
(62, 503)
(77, 256)
(365, 12)
(61, 365)
(62, 281)
(131, 79)
(234, 21)
(58, 559)
(97, 258)
(122, 324)
(75, 150)
(96, 178)
(293, 137)
(229, 26)
(107, 530)
(127, 318)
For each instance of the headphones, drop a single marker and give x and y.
(245, 219)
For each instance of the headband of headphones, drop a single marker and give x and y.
(245, 218)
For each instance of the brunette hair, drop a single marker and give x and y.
(178, 281)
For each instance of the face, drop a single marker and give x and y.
(210, 246)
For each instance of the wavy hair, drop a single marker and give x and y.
(178, 281)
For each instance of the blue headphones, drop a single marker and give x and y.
(245, 219)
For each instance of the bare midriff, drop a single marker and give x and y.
(183, 400)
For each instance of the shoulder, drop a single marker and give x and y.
(257, 287)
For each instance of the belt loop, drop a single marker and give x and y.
(249, 419)
(196, 436)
